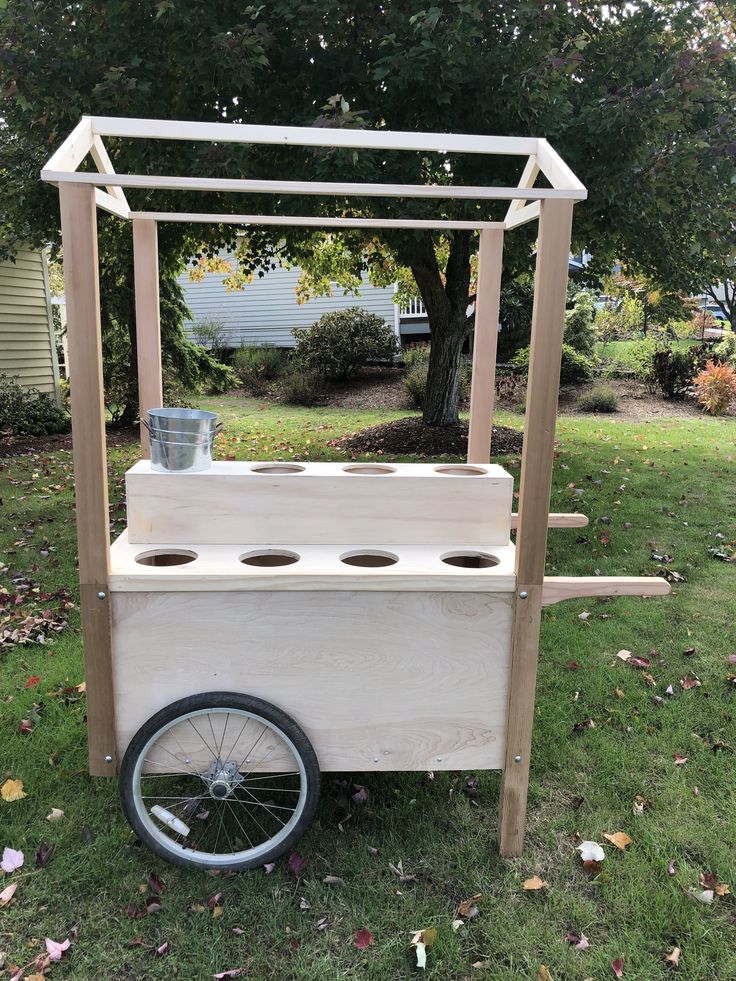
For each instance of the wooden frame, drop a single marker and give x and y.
(518, 584)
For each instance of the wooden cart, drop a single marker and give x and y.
(260, 622)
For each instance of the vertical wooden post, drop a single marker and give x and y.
(147, 321)
(548, 322)
(81, 287)
(485, 341)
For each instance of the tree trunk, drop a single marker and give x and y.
(446, 301)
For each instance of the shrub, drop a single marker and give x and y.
(302, 387)
(342, 342)
(715, 387)
(256, 366)
(574, 367)
(673, 370)
(599, 399)
(28, 412)
(416, 354)
(580, 333)
(415, 383)
(210, 334)
(726, 350)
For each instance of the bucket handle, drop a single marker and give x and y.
(218, 428)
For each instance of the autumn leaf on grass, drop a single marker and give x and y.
(12, 860)
(579, 942)
(590, 851)
(363, 938)
(543, 973)
(33, 681)
(7, 894)
(706, 896)
(421, 940)
(721, 889)
(620, 839)
(297, 863)
(617, 966)
(673, 958)
(468, 908)
(55, 950)
(12, 790)
(56, 814)
(687, 682)
(533, 884)
(679, 760)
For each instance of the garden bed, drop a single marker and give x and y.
(409, 436)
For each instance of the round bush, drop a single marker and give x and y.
(599, 399)
(574, 367)
(302, 387)
(342, 342)
(28, 412)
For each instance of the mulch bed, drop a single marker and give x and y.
(18, 445)
(409, 436)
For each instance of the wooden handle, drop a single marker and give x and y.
(559, 588)
(558, 520)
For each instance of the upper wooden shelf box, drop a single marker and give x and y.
(321, 503)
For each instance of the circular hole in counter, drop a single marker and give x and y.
(369, 468)
(461, 470)
(268, 558)
(369, 560)
(278, 468)
(161, 557)
(470, 560)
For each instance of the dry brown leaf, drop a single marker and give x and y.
(543, 973)
(534, 883)
(624, 655)
(620, 839)
(465, 907)
(12, 790)
(722, 889)
(673, 958)
(619, 693)
(649, 679)
(7, 894)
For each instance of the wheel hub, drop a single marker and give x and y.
(222, 778)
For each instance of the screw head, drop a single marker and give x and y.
(101, 595)
(375, 759)
(108, 759)
(439, 759)
(517, 758)
(523, 595)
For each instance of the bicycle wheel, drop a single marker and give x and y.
(219, 781)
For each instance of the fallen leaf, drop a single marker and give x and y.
(650, 679)
(361, 795)
(33, 681)
(673, 958)
(543, 973)
(304, 903)
(530, 885)
(620, 839)
(456, 924)
(25, 727)
(152, 905)
(669, 690)
(55, 950)
(155, 884)
(82, 688)
(12, 790)
(44, 855)
(214, 900)
(679, 760)
(234, 972)
(624, 655)
(12, 860)
(706, 896)
(618, 693)
(584, 615)
(297, 863)
(162, 950)
(590, 851)
(671, 867)
(639, 662)
(722, 889)
(269, 867)
(579, 942)
(56, 814)
(468, 907)
(363, 938)
(333, 880)
(420, 941)
(688, 683)
(617, 966)
(7, 894)
(638, 805)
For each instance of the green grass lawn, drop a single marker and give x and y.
(604, 733)
(627, 355)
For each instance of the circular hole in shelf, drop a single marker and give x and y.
(278, 468)
(461, 470)
(164, 558)
(269, 558)
(369, 560)
(369, 468)
(470, 560)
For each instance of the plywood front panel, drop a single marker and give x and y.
(378, 681)
(320, 503)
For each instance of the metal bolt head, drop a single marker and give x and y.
(101, 595)
(523, 595)
(375, 759)
(439, 759)
(108, 759)
(517, 758)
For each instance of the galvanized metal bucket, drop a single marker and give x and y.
(181, 457)
(181, 440)
(195, 421)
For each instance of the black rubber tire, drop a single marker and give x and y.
(225, 700)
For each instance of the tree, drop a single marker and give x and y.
(637, 98)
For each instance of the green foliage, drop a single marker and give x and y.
(574, 367)
(579, 330)
(417, 354)
(673, 370)
(515, 315)
(726, 349)
(598, 399)
(257, 366)
(343, 341)
(622, 322)
(28, 412)
(210, 334)
(415, 382)
(302, 387)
